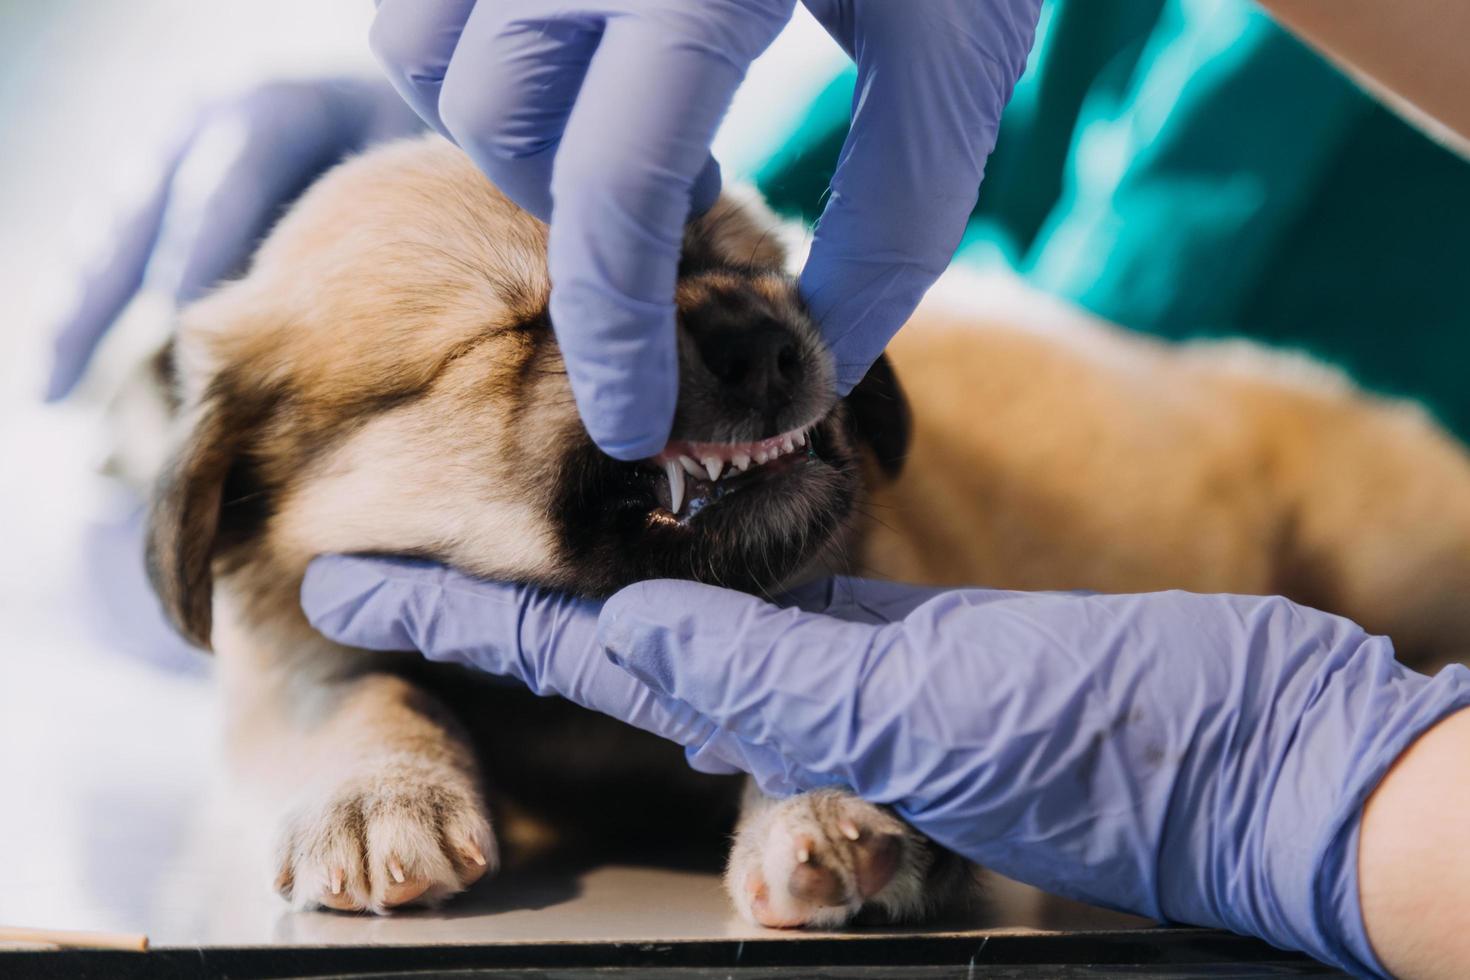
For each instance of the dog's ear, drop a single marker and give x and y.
(184, 518)
(878, 412)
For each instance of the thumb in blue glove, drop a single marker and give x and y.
(545, 640)
(1202, 759)
(932, 81)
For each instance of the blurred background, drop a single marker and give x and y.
(1180, 167)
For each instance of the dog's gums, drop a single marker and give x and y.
(696, 472)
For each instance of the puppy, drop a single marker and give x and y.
(385, 379)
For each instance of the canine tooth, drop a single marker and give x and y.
(690, 466)
(801, 438)
(676, 485)
(740, 461)
(714, 467)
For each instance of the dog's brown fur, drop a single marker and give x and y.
(382, 380)
(1110, 462)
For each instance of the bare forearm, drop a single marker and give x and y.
(1412, 50)
(1413, 866)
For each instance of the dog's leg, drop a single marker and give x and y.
(823, 859)
(374, 790)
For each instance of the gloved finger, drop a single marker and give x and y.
(782, 679)
(399, 603)
(414, 40)
(623, 183)
(932, 81)
(545, 640)
(838, 18)
(108, 288)
(509, 90)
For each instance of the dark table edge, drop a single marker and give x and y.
(1182, 947)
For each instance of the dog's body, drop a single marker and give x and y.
(1067, 454)
(385, 380)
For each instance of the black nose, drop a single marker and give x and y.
(757, 363)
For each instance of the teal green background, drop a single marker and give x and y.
(1188, 169)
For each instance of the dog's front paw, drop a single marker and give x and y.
(386, 840)
(822, 858)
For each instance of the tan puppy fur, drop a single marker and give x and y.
(384, 379)
(1103, 460)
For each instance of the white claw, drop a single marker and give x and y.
(690, 466)
(676, 485)
(714, 467)
(740, 461)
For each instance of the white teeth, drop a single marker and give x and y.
(786, 445)
(801, 438)
(760, 457)
(714, 467)
(740, 461)
(676, 485)
(690, 466)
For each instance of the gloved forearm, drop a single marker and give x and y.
(1203, 759)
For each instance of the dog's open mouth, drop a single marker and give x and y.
(696, 474)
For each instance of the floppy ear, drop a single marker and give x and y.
(878, 413)
(183, 520)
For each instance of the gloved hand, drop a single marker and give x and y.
(227, 180)
(608, 111)
(1201, 759)
(507, 630)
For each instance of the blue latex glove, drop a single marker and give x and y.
(227, 180)
(607, 109)
(508, 630)
(1200, 759)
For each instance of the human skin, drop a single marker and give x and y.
(1413, 865)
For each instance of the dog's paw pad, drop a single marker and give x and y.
(811, 880)
(389, 843)
(821, 859)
